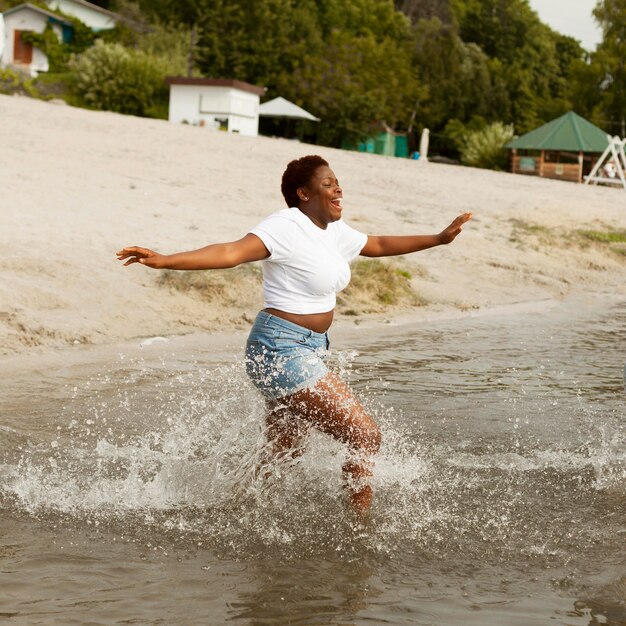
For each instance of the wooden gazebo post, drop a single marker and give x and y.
(541, 163)
(581, 158)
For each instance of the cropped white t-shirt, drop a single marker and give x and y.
(307, 265)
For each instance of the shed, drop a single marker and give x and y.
(383, 140)
(225, 104)
(566, 148)
(88, 13)
(30, 18)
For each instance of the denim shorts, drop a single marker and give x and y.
(282, 357)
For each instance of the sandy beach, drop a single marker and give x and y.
(78, 185)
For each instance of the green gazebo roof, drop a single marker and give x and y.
(568, 133)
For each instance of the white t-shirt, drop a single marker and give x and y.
(307, 265)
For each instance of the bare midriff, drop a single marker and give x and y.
(317, 322)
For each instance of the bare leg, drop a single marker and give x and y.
(285, 432)
(331, 407)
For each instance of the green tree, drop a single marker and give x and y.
(457, 77)
(349, 99)
(609, 61)
(347, 62)
(533, 62)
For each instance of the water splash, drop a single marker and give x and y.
(183, 456)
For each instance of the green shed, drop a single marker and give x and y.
(386, 141)
(566, 148)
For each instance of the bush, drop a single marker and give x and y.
(110, 77)
(485, 148)
(14, 81)
(10, 80)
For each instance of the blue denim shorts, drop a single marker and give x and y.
(282, 357)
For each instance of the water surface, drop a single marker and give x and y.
(130, 491)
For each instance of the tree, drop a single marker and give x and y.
(456, 77)
(417, 10)
(347, 62)
(610, 60)
(533, 62)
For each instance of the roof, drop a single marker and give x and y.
(568, 133)
(279, 107)
(32, 7)
(95, 7)
(216, 82)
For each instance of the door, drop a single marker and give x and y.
(22, 51)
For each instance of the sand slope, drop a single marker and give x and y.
(77, 185)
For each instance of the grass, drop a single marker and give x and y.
(46, 86)
(536, 234)
(522, 229)
(375, 286)
(614, 236)
(237, 287)
(614, 239)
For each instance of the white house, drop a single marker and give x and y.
(90, 14)
(24, 18)
(226, 104)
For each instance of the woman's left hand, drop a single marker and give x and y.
(448, 235)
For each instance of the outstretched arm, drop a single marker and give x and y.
(394, 245)
(213, 257)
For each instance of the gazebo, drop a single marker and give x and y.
(566, 148)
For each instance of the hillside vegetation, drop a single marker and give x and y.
(458, 67)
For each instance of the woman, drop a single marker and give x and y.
(305, 250)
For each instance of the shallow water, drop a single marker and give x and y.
(130, 491)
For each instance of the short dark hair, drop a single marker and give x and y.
(298, 173)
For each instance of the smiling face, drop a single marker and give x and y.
(320, 198)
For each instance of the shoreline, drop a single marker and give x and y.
(222, 347)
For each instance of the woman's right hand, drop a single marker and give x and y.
(144, 256)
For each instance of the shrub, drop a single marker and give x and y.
(10, 80)
(485, 148)
(16, 81)
(110, 77)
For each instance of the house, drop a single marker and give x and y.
(567, 148)
(30, 18)
(89, 14)
(224, 104)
